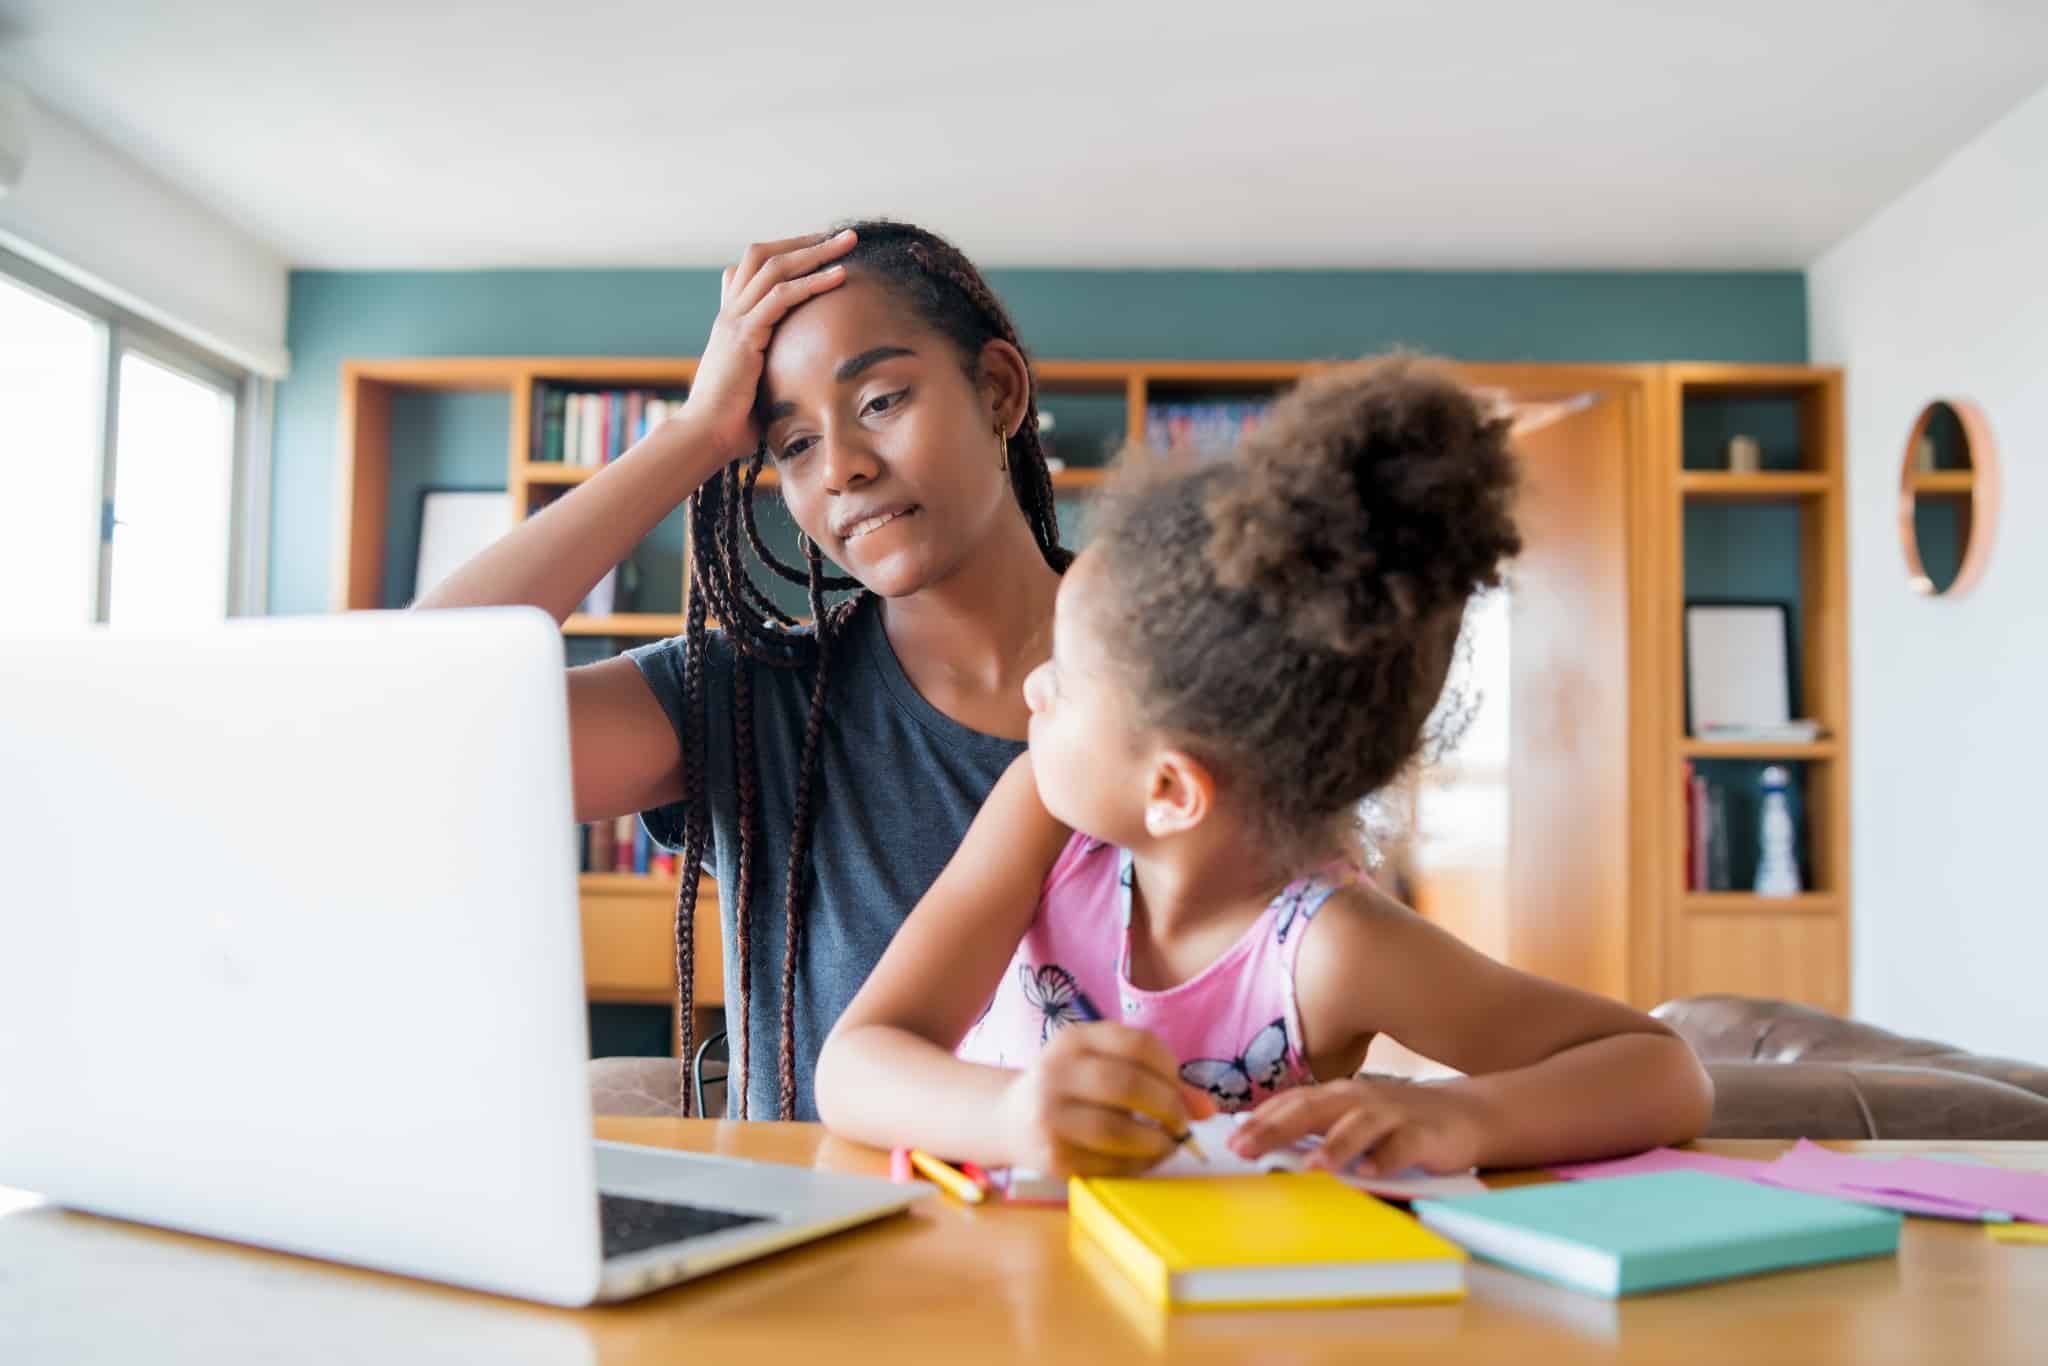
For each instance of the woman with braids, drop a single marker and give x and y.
(1245, 652)
(826, 772)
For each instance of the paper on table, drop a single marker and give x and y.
(1214, 1134)
(1661, 1160)
(2021, 1194)
(1797, 1170)
(2020, 1233)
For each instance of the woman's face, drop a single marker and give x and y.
(887, 450)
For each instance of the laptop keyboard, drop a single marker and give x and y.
(631, 1225)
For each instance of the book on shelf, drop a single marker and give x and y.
(1709, 862)
(1206, 430)
(622, 845)
(1772, 733)
(591, 427)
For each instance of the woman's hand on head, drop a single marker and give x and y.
(1101, 1100)
(1385, 1125)
(770, 279)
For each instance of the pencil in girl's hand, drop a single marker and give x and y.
(1085, 1008)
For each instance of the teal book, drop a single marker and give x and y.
(1634, 1233)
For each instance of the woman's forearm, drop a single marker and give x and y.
(554, 558)
(888, 1087)
(1620, 1094)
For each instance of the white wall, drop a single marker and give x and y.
(1945, 292)
(94, 216)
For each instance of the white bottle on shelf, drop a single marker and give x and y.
(1777, 868)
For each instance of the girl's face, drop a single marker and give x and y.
(1089, 753)
(886, 448)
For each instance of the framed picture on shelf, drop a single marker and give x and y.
(454, 525)
(1738, 665)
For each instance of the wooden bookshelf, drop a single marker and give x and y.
(1596, 876)
(1814, 751)
(1944, 483)
(649, 625)
(1755, 487)
(1749, 903)
(1735, 941)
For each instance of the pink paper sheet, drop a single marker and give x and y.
(1662, 1160)
(1911, 1185)
(2024, 1195)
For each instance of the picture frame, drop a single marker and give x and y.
(455, 524)
(1738, 663)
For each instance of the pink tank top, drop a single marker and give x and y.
(1234, 1025)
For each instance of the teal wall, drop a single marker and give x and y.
(1529, 316)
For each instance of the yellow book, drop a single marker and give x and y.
(1289, 1238)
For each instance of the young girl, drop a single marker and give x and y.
(1245, 653)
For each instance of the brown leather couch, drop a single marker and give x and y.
(1780, 1071)
(1790, 1071)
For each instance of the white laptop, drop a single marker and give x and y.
(289, 955)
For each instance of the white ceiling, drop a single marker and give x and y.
(1422, 133)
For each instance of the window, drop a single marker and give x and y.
(52, 377)
(168, 561)
(124, 451)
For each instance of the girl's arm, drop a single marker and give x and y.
(888, 1077)
(1554, 1073)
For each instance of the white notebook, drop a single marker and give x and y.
(1214, 1134)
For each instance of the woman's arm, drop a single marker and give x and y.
(1554, 1073)
(623, 751)
(888, 1077)
(553, 558)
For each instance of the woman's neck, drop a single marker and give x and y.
(967, 642)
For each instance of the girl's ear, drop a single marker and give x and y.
(1005, 384)
(1183, 793)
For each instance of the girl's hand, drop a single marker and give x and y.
(1388, 1125)
(1101, 1100)
(770, 279)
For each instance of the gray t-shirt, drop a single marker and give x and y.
(897, 784)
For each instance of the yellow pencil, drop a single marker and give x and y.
(949, 1178)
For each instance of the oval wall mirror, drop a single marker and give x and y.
(1948, 497)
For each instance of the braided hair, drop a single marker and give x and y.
(944, 289)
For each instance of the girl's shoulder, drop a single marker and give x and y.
(1358, 933)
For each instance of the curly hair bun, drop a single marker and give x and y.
(1373, 499)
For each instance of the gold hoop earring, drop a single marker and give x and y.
(1002, 451)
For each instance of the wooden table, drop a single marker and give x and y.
(952, 1284)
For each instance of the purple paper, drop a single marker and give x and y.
(1939, 1190)
(1661, 1160)
(1956, 1185)
(1814, 1182)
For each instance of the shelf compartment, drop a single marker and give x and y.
(652, 625)
(1749, 903)
(1817, 751)
(1755, 487)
